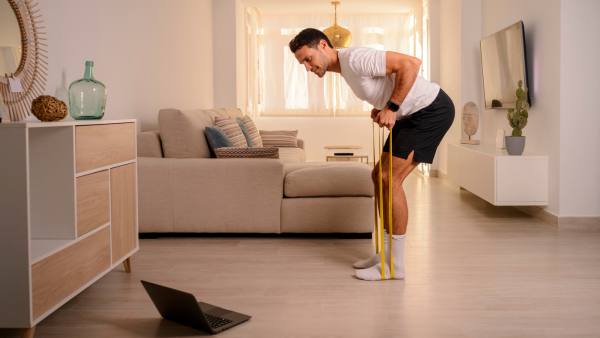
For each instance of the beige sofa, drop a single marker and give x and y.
(182, 189)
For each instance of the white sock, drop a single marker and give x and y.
(374, 273)
(375, 258)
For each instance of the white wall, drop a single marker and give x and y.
(470, 70)
(241, 63)
(579, 110)
(224, 53)
(449, 69)
(542, 34)
(150, 54)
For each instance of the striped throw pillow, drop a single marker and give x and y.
(232, 130)
(232, 152)
(279, 138)
(250, 131)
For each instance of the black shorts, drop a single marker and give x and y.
(422, 131)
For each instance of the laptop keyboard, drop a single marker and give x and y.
(216, 322)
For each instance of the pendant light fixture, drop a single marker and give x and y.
(339, 36)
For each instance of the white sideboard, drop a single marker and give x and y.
(497, 177)
(68, 212)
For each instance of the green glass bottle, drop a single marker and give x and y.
(87, 96)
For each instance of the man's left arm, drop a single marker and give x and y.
(406, 68)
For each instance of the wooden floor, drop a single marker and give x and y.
(473, 270)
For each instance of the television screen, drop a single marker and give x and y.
(504, 63)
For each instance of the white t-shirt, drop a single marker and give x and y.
(364, 70)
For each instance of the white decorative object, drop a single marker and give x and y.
(470, 123)
(497, 177)
(14, 85)
(500, 133)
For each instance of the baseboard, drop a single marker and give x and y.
(540, 213)
(590, 223)
(431, 173)
(583, 223)
(436, 173)
(328, 235)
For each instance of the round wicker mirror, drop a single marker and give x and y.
(20, 87)
(10, 40)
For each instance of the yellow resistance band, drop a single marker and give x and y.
(390, 209)
(379, 226)
(376, 220)
(381, 213)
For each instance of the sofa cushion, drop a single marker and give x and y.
(327, 214)
(292, 155)
(234, 152)
(279, 138)
(182, 132)
(216, 139)
(250, 131)
(327, 179)
(148, 144)
(232, 130)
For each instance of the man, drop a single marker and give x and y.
(417, 112)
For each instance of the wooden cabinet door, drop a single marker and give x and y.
(63, 273)
(92, 201)
(103, 145)
(123, 203)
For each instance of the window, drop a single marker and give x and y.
(295, 82)
(279, 86)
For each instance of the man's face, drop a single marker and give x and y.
(314, 59)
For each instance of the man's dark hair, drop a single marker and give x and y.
(308, 37)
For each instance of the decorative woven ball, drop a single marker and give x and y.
(48, 108)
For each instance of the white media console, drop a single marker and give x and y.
(497, 177)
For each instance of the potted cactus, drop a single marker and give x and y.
(517, 118)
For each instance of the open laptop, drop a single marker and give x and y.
(183, 308)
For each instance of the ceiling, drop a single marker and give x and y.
(346, 6)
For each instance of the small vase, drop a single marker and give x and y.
(515, 144)
(87, 96)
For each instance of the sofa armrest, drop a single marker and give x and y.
(148, 144)
(210, 195)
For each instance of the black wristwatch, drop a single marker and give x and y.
(392, 106)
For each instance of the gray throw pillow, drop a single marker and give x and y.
(216, 139)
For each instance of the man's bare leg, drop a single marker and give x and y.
(401, 168)
(374, 258)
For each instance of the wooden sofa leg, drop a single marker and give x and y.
(127, 265)
(28, 332)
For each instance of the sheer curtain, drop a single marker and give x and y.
(279, 86)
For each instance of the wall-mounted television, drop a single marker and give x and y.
(504, 63)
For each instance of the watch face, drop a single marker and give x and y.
(393, 106)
